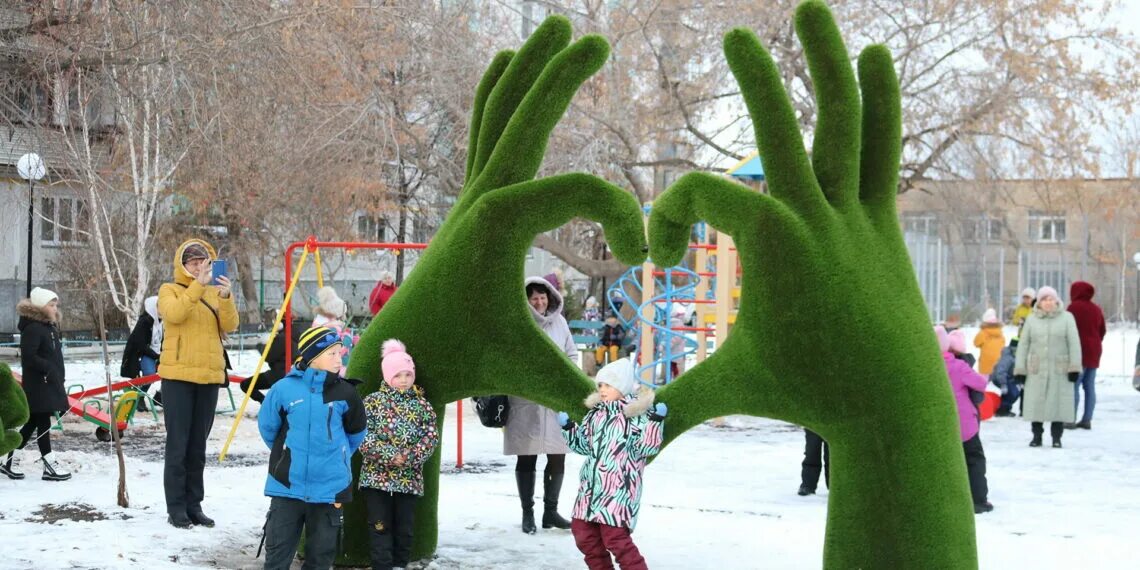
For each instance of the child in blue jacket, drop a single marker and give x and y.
(313, 420)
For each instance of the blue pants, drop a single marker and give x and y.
(1009, 398)
(1087, 380)
(147, 366)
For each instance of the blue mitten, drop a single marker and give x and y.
(659, 411)
(563, 420)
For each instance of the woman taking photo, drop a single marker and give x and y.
(196, 312)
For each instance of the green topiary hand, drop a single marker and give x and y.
(831, 332)
(462, 312)
(13, 410)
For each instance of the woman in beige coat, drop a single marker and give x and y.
(533, 429)
(1048, 361)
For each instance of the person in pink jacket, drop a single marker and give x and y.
(962, 380)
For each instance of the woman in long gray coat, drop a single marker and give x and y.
(1048, 361)
(532, 429)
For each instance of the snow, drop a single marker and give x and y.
(717, 498)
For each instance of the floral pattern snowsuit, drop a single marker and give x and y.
(617, 438)
(398, 422)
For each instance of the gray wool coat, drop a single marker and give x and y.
(533, 429)
(1048, 350)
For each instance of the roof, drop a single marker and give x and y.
(749, 168)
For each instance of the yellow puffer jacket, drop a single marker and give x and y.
(1021, 313)
(991, 341)
(192, 341)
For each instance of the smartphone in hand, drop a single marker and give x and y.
(219, 270)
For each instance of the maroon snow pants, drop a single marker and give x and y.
(596, 541)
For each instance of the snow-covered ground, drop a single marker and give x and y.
(717, 498)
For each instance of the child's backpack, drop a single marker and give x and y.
(492, 410)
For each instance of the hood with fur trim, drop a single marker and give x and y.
(555, 299)
(180, 274)
(632, 405)
(26, 310)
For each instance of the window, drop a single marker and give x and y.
(64, 221)
(370, 227)
(982, 229)
(925, 224)
(422, 228)
(1046, 227)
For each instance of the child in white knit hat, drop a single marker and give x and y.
(618, 435)
(332, 311)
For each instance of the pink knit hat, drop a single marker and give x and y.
(957, 341)
(1047, 291)
(943, 338)
(990, 317)
(395, 360)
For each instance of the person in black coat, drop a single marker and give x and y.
(276, 361)
(41, 356)
(141, 354)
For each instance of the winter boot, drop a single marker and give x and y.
(179, 520)
(7, 470)
(197, 517)
(51, 473)
(525, 481)
(551, 486)
(805, 491)
(1084, 425)
(1056, 429)
(1038, 429)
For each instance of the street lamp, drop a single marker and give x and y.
(30, 168)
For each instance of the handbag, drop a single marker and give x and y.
(493, 411)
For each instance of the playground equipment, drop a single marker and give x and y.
(709, 290)
(311, 245)
(85, 403)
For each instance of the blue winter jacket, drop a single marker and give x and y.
(1002, 374)
(313, 422)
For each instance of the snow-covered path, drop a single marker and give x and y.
(717, 498)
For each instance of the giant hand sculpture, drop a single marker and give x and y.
(831, 332)
(462, 312)
(13, 410)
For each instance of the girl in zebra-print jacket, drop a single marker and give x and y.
(618, 435)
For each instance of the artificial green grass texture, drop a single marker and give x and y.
(462, 313)
(13, 410)
(831, 331)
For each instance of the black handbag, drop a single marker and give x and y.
(493, 411)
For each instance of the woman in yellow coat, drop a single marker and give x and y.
(196, 313)
(990, 340)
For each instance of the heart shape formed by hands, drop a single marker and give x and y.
(826, 242)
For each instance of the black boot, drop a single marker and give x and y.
(1056, 429)
(1038, 429)
(805, 491)
(551, 486)
(525, 481)
(179, 520)
(6, 469)
(197, 517)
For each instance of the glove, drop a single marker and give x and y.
(563, 419)
(1073, 376)
(658, 412)
(1019, 378)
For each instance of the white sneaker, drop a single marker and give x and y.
(51, 473)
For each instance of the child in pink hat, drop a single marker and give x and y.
(401, 437)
